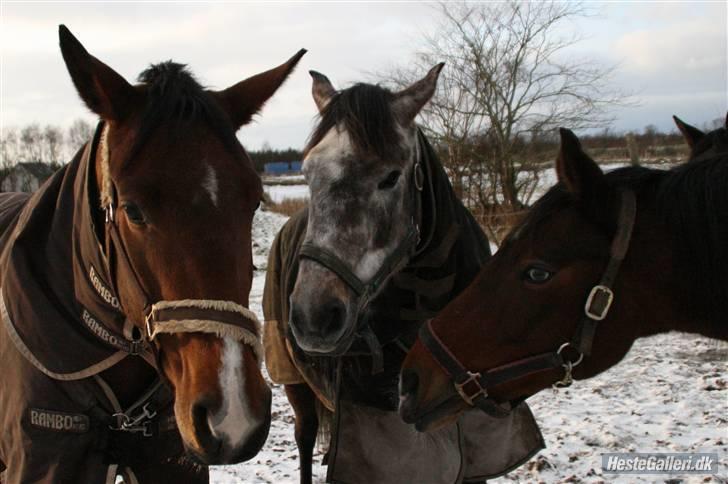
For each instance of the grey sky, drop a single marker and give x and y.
(674, 56)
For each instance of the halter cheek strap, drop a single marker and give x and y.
(473, 387)
(222, 318)
(367, 290)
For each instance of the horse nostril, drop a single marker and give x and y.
(409, 382)
(201, 413)
(319, 320)
(332, 316)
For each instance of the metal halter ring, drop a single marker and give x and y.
(575, 363)
(567, 380)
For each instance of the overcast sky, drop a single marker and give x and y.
(674, 56)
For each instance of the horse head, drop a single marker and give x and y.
(361, 165)
(180, 192)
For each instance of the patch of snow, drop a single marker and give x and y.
(278, 193)
(669, 394)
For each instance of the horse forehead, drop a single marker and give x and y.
(331, 154)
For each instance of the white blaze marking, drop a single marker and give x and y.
(210, 183)
(329, 154)
(233, 422)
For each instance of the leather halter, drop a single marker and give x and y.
(366, 290)
(185, 316)
(473, 387)
(396, 261)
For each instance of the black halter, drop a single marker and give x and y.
(473, 386)
(393, 263)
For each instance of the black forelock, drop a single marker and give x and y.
(173, 95)
(364, 111)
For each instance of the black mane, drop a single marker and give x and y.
(364, 112)
(711, 144)
(174, 96)
(692, 201)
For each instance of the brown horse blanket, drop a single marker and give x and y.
(58, 313)
(369, 441)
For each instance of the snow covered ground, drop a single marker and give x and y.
(278, 193)
(670, 394)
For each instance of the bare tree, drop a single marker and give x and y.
(52, 145)
(510, 77)
(78, 134)
(31, 144)
(9, 148)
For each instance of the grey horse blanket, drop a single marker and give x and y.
(369, 442)
(58, 311)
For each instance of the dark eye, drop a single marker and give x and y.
(537, 275)
(390, 181)
(133, 214)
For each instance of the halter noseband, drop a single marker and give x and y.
(223, 318)
(473, 386)
(366, 290)
(393, 263)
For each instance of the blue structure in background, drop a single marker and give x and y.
(283, 168)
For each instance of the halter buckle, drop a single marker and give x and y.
(139, 424)
(598, 303)
(110, 213)
(472, 378)
(148, 324)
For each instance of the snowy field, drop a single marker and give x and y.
(278, 193)
(670, 394)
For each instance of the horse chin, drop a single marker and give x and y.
(438, 416)
(317, 346)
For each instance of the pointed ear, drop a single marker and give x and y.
(244, 99)
(408, 103)
(104, 91)
(691, 134)
(581, 176)
(322, 90)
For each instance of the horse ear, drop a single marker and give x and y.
(322, 90)
(408, 103)
(243, 100)
(103, 90)
(575, 169)
(691, 134)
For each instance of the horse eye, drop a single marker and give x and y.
(538, 275)
(390, 181)
(133, 214)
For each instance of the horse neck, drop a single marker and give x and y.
(656, 283)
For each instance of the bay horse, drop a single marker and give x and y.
(599, 261)
(126, 337)
(703, 145)
(383, 245)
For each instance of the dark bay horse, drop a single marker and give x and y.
(383, 245)
(704, 145)
(599, 261)
(125, 337)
